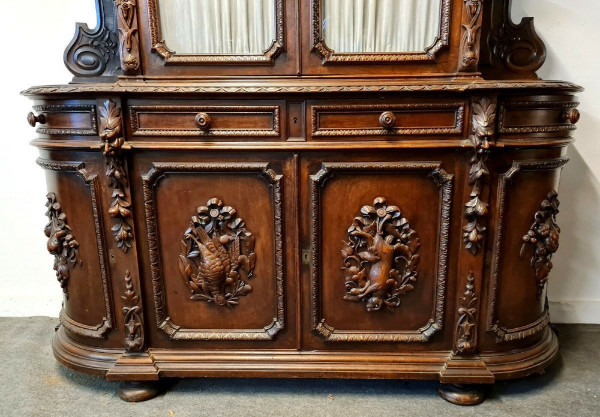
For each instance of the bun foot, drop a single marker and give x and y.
(462, 394)
(138, 391)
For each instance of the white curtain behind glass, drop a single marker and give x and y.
(244, 27)
(380, 25)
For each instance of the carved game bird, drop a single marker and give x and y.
(218, 265)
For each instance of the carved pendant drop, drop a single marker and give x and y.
(543, 235)
(380, 257)
(217, 255)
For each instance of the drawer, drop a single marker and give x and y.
(206, 120)
(386, 119)
(65, 119)
(548, 115)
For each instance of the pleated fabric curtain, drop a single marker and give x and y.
(355, 26)
(213, 27)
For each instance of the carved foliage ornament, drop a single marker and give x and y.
(61, 242)
(120, 209)
(128, 35)
(466, 328)
(380, 257)
(469, 46)
(217, 255)
(484, 118)
(134, 329)
(543, 236)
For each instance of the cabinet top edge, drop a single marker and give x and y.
(296, 86)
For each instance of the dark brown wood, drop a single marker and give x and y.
(307, 213)
(462, 394)
(138, 391)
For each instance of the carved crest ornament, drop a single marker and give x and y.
(543, 236)
(380, 257)
(61, 242)
(217, 255)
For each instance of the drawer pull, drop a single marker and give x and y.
(32, 119)
(387, 120)
(571, 115)
(203, 121)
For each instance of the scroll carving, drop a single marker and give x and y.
(471, 37)
(129, 48)
(543, 236)
(484, 117)
(217, 255)
(93, 53)
(61, 242)
(516, 47)
(466, 328)
(380, 257)
(134, 328)
(120, 209)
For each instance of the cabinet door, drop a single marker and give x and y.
(215, 247)
(378, 234)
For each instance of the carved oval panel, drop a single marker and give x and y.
(380, 257)
(217, 255)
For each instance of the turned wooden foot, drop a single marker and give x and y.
(463, 394)
(138, 391)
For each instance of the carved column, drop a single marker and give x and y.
(471, 35)
(129, 48)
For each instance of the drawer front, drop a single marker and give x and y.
(544, 115)
(210, 120)
(66, 119)
(362, 119)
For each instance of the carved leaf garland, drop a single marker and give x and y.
(134, 340)
(543, 236)
(61, 242)
(466, 328)
(217, 255)
(380, 257)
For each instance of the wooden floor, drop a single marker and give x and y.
(33, 384)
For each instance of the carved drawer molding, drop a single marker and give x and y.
(444, 181)
(200, 120)
(54, 125)
(97, 331)
(503, 333)
(554, 116)
(151, 180)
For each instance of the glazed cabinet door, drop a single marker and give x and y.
(376, 234)
(214, 251)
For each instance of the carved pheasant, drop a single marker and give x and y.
(218, 266)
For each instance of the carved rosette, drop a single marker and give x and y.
(134, 328)
(543, 236)
(471, 37)
(61, 242)
(120, 209)
(380, 257)
(128, 35)
(217, 255)
(466, 327)
(484, 118)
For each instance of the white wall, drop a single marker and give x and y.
(35, 33)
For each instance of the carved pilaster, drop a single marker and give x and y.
(466, 327)
(483, 129)
(93, 53)
(132, 314)
(129, 48)
(471, 35)
(61, 242)
(120, 210)
(543, 236)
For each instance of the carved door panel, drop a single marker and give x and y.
(525, 208)
(215, 248)
(378, 235)
(76, 239)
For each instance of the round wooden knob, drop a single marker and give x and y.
(387, 120)
(571, 115)
(32, 119)
(203, 121)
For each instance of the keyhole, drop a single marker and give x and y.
(295, 120)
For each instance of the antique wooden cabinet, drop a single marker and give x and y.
(315, 188)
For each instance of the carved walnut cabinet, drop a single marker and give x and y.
(307, 193)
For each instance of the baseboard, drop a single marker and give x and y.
(561, 311)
